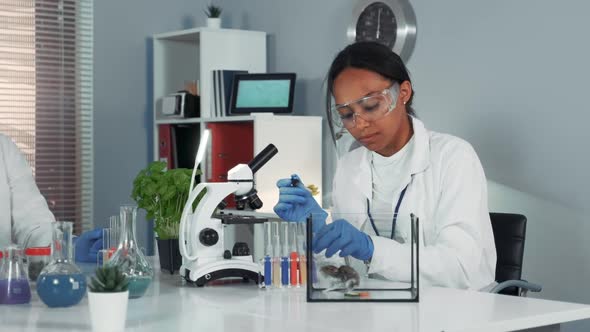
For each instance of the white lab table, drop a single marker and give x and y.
(171, 306)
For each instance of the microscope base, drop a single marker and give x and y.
(221, 269)
(220, 274)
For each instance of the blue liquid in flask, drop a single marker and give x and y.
(61, 290)
(138, 286)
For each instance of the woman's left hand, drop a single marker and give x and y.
(341, 235)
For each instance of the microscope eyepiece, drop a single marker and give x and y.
(262, 158)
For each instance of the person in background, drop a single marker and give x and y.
(25, 218)
(396, 167)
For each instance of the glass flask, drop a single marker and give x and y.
(37, 259)
(14, 282)
(129, 257)
(61, 283)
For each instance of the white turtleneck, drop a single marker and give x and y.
(389, 177)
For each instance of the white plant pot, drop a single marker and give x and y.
(108, 311)
(214, 23)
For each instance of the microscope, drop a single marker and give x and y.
(201, 238)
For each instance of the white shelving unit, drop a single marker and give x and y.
(193, 54)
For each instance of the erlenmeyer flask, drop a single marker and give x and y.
(61, 283)
(129, 257)
(14, 283)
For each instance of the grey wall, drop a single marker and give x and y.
(508, 76)
(122, 93)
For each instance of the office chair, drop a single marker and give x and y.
(509, 235)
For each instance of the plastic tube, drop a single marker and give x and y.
(267, 254)
(293, 256)
(301, 248)
(285, 254)
(276, 263)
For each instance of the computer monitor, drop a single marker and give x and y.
(272, 93)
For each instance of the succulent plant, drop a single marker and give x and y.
(213, 11)
(108, 279)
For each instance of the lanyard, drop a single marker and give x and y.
(393, 222)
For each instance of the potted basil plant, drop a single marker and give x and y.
(162, 193)
(107, 299)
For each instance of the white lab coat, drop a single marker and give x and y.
(25, 218)
(447, 192)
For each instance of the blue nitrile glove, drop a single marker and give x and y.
(87, 245)
(296, 203)
(341, 235)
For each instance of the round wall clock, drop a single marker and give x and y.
(390, 22)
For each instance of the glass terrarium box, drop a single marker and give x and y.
(346, 279)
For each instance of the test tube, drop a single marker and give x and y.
(115, 226)
(276, 263)
(294, 256)
(267, 254)
(302, 247)
(285, 254)
(103, 254)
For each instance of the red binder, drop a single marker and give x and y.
(232, 143)
(166, 145)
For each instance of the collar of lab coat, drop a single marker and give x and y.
(419, 160)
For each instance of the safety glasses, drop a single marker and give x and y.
(370, 108)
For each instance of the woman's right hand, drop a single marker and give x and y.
(296, 203)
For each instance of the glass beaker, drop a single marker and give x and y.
(129, 257)
(37, 259)
(14, 283)
(61, 283)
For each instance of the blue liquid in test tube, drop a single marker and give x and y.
(267, 254)
(285, 254)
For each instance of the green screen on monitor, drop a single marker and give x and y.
(271, 93)
(263, 93)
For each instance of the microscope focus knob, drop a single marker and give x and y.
(227, 254)
(241, 249)
(208, 237)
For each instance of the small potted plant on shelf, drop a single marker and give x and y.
(107, 299)
(162, 193)
(213, 16)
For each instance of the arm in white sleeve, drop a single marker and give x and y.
(31, 217)
(454, 257)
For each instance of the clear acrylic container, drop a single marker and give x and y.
(37, 259)
(61, 283)
(347, 279)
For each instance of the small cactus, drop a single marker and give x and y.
(108, 279)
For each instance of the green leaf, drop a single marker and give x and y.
(110, 284)
(100, 273)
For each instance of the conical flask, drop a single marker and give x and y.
(129, 257)
(14, 283)
(61, 283)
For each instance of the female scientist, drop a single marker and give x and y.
(398, 167)
(24, 215)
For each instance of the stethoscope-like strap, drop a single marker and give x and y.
(395, 212)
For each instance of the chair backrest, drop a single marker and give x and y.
(509, 234)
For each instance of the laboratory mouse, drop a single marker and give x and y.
(346, 276)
